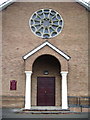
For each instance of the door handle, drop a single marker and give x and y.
(45, 91)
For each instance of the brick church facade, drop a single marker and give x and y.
(45, 72)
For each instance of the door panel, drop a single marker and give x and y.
(46, 91)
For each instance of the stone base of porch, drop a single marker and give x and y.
(45, 110)
(50, 108)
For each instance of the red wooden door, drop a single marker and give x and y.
(46, 91)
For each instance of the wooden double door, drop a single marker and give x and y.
(46, 91)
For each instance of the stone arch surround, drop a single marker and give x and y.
(53, 66)
(46, 50)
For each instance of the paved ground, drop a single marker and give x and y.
(7, 114)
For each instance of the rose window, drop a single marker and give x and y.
(46, 23)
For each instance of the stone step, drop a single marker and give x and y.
(52, 112)
(34, 111)
(45, 110)
(48, 112)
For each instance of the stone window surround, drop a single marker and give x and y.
(46, 23)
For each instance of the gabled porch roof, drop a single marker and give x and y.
(46, 43)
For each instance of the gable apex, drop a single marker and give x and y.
(46, 43)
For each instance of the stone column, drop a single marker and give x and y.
(64, 90)
(28, 90)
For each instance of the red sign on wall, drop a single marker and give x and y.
(13, 84)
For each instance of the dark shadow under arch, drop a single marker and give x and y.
(46, 62)
(51, 64)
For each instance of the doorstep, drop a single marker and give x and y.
(47, 108)
(45, 112)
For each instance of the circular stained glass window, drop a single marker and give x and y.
(46, 23)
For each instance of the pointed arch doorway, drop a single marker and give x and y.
(47, 81)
